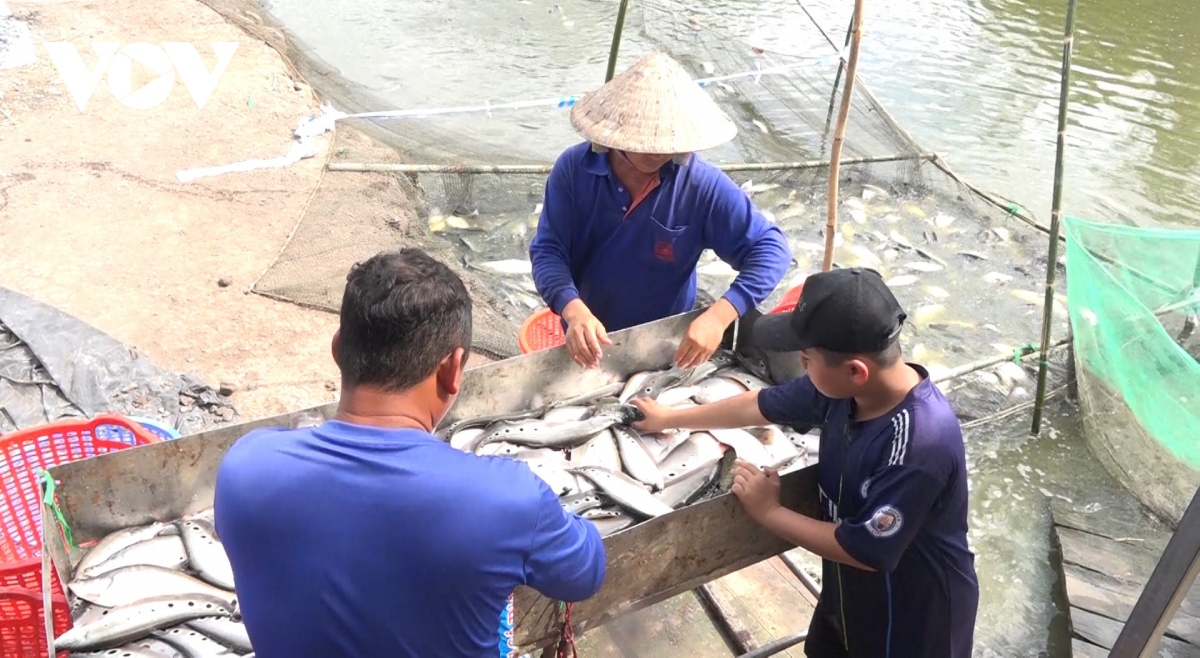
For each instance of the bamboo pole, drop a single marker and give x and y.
(839, 136)
(837, 79)
(1055, 217)
(545, 168)
(616, 41)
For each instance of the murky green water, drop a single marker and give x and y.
(975, 80)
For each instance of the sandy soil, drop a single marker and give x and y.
(93, 221)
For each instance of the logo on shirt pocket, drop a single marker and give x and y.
(664, 251)
(885, 522)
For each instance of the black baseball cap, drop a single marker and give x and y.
(851, 311)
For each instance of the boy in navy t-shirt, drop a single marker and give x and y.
(370, 536)
(898, 576)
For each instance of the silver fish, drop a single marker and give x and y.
(717, 389)
(661, 444)
(128, 585)
(600, 450)
(505, 449)
(746, 445)
(226, 631)
(463, 438)
(695, 455)
(483, 421)
(131, 622)
(126, 651)
(155, 647)
(114, 543)
(205, 554)
(165, 552)
(540, 434)
(613, 525)
(747, 380)
(192, 643)
(568, 414)
(556, 476)
(652, 384)
(675, 395)
(637, 459)
(580, 503)
(602, 392)
(685, 490)
(625, 491)
(601, 513)
(778, 445)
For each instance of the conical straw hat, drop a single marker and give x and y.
(654, 107)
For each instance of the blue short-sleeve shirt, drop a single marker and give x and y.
(896, 486)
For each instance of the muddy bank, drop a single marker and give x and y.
(93, 220)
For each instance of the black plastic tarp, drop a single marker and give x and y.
(54, 366)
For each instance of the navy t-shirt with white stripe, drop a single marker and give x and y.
(896, 486)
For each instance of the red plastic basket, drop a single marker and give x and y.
(789, 301)
(540, 331)
(23, 452)
(22, 626)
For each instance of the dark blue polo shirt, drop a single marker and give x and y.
(347, 540)
(632, 267)
(897, 488)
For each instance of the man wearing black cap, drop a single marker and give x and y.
(898, 576)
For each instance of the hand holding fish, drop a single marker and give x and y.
(757, 490)
(704, 335)
(658, 417)
(585, 334)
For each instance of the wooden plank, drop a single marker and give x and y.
(596, 643)
(767, 601)
(1106, 524)
(1123, 561)
(679, 626)
(1158, 606)
(727, 619)
(1103, 632)
(1081, 649)
(1087, 590)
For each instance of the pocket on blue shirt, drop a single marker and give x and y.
(669, 248)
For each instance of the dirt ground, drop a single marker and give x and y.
(93, 220)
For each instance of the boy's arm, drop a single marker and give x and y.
(810, 534)
(792, 402)
(566, 559)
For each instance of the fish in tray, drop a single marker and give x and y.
(162, 590)
(606, 471)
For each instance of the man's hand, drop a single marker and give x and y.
(585, 334)
(704, 335)
(757, 490)
(658, 417)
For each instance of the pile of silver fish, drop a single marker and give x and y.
(163, 590)
(587, 450)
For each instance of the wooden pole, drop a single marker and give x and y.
(839, 135)
(616, 41)
(1055, 218)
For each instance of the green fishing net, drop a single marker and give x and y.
(1134, 296)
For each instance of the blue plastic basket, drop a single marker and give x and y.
(165, 432)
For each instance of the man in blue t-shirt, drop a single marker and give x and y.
(368, 535)
(898, 576)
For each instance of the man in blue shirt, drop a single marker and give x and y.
(368, 535)
(628, 213)
(899, 577)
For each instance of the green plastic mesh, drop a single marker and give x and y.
(1134, 296)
